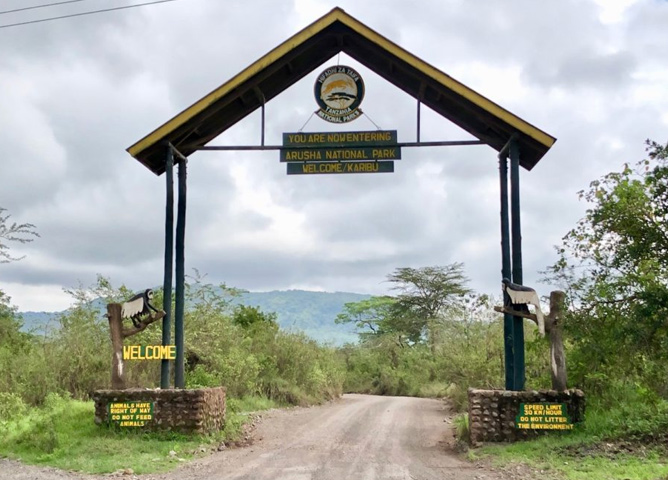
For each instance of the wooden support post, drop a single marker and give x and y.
(553, 328)
(116, 334)
(179, 306)
(518, 323)
(553, 324)
(169, 264)
(508, 324)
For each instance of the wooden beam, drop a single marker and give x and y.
(516, 313)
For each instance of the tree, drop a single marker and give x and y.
(614, 265)
(428, 294)
(14, 232)
(248, 317)
(376, 317)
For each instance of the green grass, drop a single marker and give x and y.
(545, 454)
(62, 434)
(611, 445)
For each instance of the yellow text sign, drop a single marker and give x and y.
(149, 352)
(543, 416)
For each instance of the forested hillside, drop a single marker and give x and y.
(312, 313)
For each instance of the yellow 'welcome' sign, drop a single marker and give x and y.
(149, 352)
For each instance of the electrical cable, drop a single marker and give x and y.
(84, 13)
(40, 6)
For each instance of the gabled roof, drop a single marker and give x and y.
(302, 53)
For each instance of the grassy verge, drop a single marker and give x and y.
(626, 441)
(62, 434)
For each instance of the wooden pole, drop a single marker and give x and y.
(508, 324)
(116, 334)
(169, 264)
(553, 324)
(518, 323)
(553, 328)
(179, 306)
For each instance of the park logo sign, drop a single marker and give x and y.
(339, 91)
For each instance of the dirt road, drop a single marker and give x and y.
(359, 437)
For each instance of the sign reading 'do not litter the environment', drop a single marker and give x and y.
(130, 414)
(543, 416)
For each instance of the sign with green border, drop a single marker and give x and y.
(315, 168)
(543, 416)
(354, 154)
(130, 414)
(372, 138)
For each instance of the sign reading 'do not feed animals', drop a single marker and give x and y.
(130, 414)
(543, 416)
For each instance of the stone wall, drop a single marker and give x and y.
(492, 413)
(186, 411)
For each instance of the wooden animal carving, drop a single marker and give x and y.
(521, 295)
(138, 306)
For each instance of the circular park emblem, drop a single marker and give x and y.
(339, 91)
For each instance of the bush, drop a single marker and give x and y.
(462, 432)
(12, 406)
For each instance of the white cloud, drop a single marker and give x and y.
(76, 93)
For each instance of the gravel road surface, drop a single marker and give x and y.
(360, 437)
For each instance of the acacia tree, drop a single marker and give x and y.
(13, 232)
(614, 265)
(374, 318)
(428, 294)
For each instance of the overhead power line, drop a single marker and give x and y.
(40, 6)
(85, 13)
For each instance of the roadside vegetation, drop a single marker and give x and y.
(436, 338)
(431, 337)
(46, 416)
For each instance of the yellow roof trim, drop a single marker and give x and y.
(448, 81)
(255, 68)
(304, 35)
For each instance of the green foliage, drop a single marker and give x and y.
(236, 346)
(465, 349)
(462, 432)
(372, 317)
(13, 232)
(425, 296)
(614, 265)
(61, 433)
(243, 348)
(11, 406)
(248, 317)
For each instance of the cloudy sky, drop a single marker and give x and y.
(75, 93)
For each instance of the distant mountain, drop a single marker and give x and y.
(297, 310)
(36, 322)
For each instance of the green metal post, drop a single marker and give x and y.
(508, 324)
(169, 257)
(518, 330)
(179, 369)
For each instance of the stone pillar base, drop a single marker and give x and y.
(492, 413)
(186, 411)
